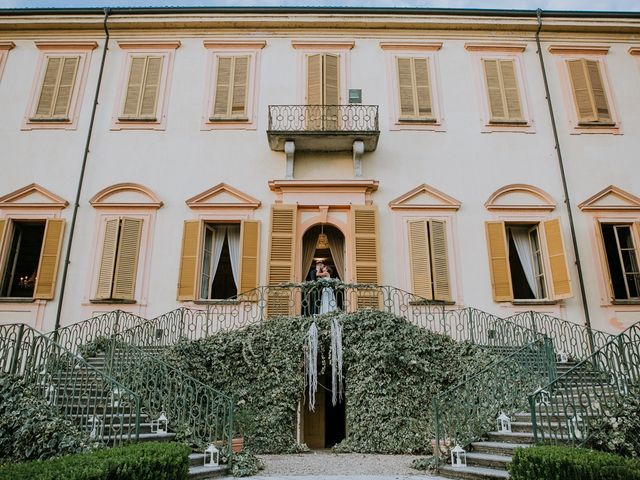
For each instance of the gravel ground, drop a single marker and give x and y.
(345, 466)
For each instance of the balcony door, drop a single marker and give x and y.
(323, 91)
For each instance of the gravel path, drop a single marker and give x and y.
(345, 466)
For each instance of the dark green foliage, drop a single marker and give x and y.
(245, 464)
(567, 463)
(392, 370)
(426, 463)
(31, 429)
(620, 432)
(97, 345)
(141, 461)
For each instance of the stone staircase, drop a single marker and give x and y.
(100, 405)
(487, 459)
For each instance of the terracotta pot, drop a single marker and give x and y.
(237, 444)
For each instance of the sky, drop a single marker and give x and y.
(584, 5)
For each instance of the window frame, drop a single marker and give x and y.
(5, 47)
(563, 54)
(503, 51)
(48, 50)
(429, 51)
(232, 48)
(205, 225)
(538, 227)
(129, 49)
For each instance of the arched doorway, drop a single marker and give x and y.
(326, 243)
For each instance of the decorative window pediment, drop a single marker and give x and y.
(520, 197)
(126, 195)
(32, 196)
(611, 198)
(425, 197)
(223, 196)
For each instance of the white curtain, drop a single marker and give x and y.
(310, 240)
(520, 237)
(216, 249)
(233, 239)
(336, 246)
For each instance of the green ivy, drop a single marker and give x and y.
(245, 464)
(31, 429)
(392, 370)
(97, 345)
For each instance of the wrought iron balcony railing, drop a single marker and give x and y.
(334, 122)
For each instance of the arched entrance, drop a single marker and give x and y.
(326, 243)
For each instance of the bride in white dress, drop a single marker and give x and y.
(328, 297)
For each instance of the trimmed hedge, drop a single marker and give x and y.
(566, 463)
(140, 461)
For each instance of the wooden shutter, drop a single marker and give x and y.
(65, 87)
(231, 88)
(249, 250)
(502, 90)
(223, 87)
(134, 86)
(108, 258)
(48, 88)
(281, 258)
(598, 91)
(124, 278)
(57, 87)
(499, 261)
(240, 79)
(3, 224)
(559, 274)
(331, 79)
(187, 277)
(314, 79)
(414, 88)
(510, 89)
(151, 89)
(439, 260)
(423, 87)
(419, 259)
(582, 95)
(405, 88)
(49, 258)
(366, 267)
(636, 243)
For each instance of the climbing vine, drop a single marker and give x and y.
(391, 371)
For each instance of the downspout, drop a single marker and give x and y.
(83, 167)
(565, 189)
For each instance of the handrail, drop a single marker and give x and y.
(323, 118)
(464, 412)
(562, 410)
(92, 399)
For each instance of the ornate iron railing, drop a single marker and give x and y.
(562, 410)
(577, 341)
(104, 408)
(466, 411)
(323, 118)
(199, 413)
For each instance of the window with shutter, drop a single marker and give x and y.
(281, 257)
(366, 263)
(231, 88)
(323, 91)
(589, 93)
(56, 88)
(503, 92)
(118, 267)
(621, 249)
(429, 259)
(414, 89)
(143, 88)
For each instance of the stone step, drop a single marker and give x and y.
(488, 460)
(206, 472)
(518, 437)
(472, 473)
(497, 448)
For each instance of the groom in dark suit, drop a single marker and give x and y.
(311, 301)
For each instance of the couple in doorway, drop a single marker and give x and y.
(327, 298)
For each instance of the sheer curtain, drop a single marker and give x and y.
(336, 246)
(216, 248)
(309, 242)
(520, 237)
(233, 240)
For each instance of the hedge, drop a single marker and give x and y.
(140, 461)
(567, 463)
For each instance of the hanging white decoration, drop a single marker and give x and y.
(311, 364)
(336, 361)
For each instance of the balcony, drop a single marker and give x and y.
(328, 128)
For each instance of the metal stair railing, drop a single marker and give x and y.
(562, 410)
(463, 413)
(576, 340)
(202, 414)
(92, 399)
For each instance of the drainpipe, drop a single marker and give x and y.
(567, 201)
(83, 167)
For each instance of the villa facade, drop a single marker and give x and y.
(228, 148)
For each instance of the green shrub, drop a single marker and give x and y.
(566, 463)
(392, 368)
(620, 432)
(141, 461)
(30, 428)
(245, 464)
(97, 345)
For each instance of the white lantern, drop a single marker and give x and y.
(458, 457)
(116, 396)
(504, 423)
(97, 428)
(562, 357)
(213, 454)
(160, 425)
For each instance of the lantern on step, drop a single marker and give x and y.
(562, 357)
(212, 454)
(96, 427)
(504, 423)
(458, 457)
(160, 425)
(116, 397)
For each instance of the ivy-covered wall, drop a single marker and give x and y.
(392, 369)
